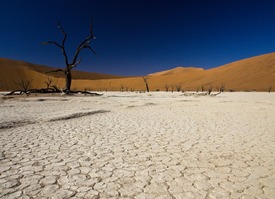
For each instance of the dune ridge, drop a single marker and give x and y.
(250, 74)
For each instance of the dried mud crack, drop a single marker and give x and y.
(204, 149)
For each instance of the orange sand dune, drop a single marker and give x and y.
(12, 71)
(251, 74)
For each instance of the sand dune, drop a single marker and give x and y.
(12, 71)
(251, 74)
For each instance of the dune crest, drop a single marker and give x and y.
(176, 70)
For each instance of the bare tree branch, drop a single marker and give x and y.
(78, 62)
(63, 43)
(62, 47)
(89, 47)
(91, 28)
(62, 30)
(85, 44)
(53, 42)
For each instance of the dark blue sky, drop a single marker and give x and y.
(137, 37)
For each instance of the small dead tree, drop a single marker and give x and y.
(172, 88)
(146, 79)
(75, 61)
(166, 87)
(198, 88)
(209, 90)
(222, 88)
(269, 88)
(24, 85)
(121, 88)
(48, 83)
(178, 88)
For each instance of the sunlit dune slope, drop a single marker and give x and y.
(176, 70)
(255, 73)
(251, 74)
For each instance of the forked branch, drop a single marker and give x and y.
(84, 44)
(62, 47)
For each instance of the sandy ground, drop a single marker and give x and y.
(138, 145)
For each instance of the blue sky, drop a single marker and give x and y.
(138, 37)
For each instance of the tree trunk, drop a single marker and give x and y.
(147, 87)
(68, 81)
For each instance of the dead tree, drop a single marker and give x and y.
(145, 79)
(222, 88)
(166, 87)
(48, 83)
(121, 88)
(209, 90)
(172, 88)
(24, 85)
(75, 61)
(178, 88)
(269, 88)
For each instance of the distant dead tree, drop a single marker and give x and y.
(172, 88)
(178, 87)
(70, 65)
(198, 88)
(222, 87)
(145, 79)
(121, 88)
(209, 90)
(48, 83)
(166, 87)
(269, 88)
(24, 85)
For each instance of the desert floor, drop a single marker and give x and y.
(138, 145)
